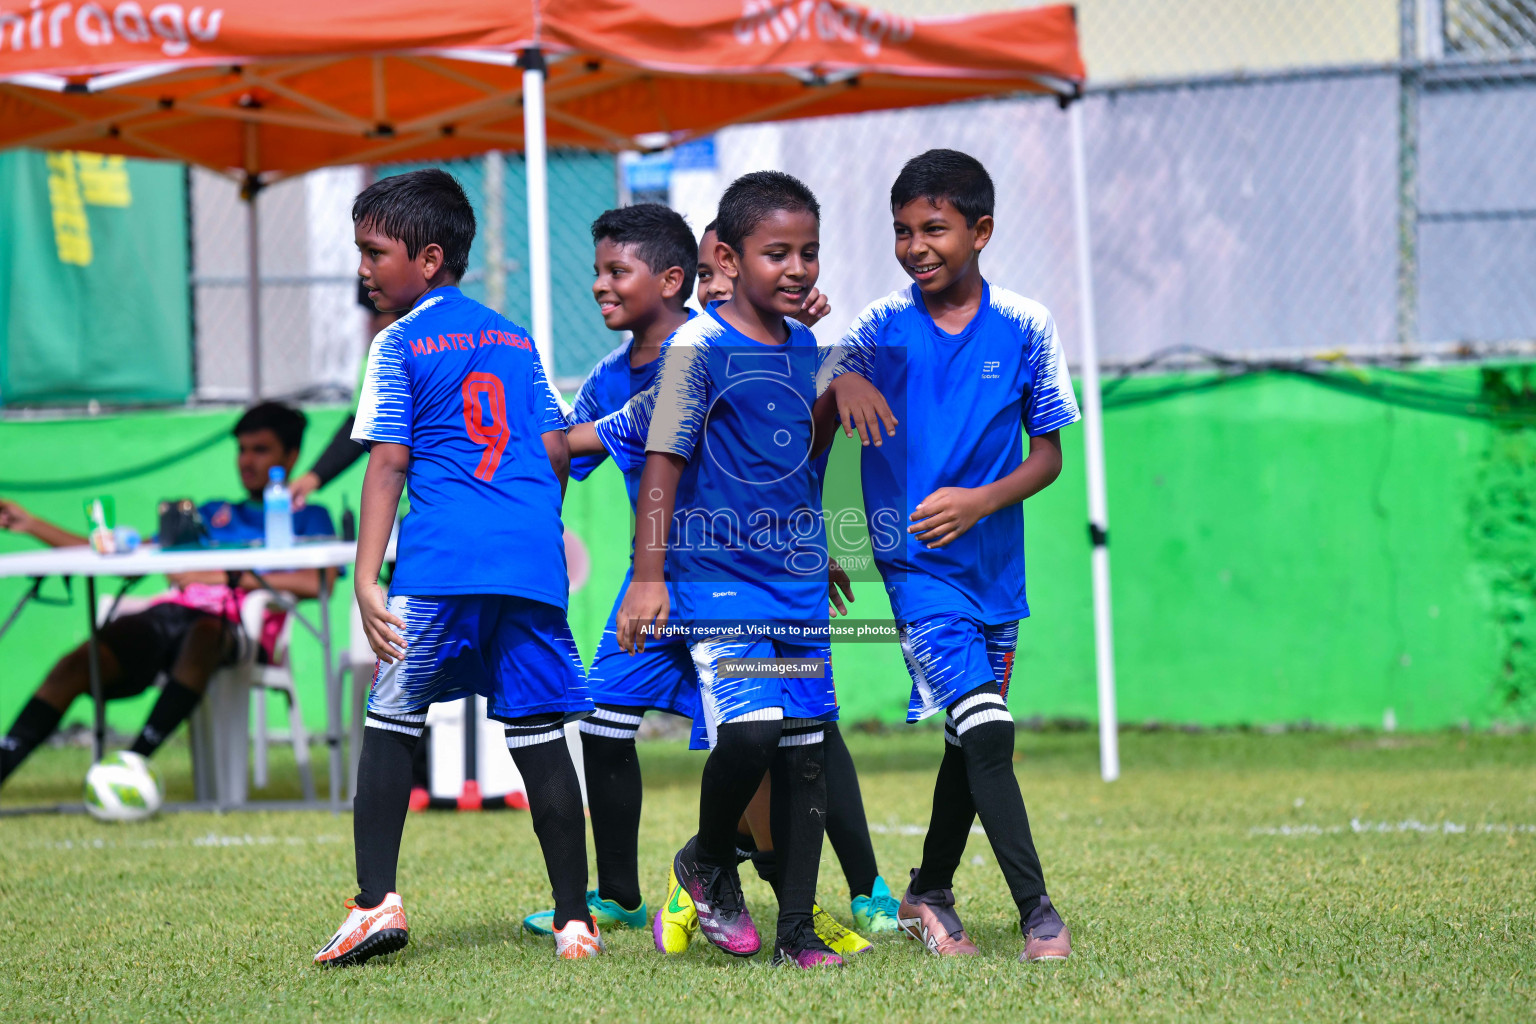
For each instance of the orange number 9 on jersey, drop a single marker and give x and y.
(492, 433)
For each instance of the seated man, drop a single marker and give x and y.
(190, 631)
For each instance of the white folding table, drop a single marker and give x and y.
(82, 561)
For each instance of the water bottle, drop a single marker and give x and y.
(277, 505)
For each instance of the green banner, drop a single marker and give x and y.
(93, 280)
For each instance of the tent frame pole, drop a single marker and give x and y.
(495, 231)
(1093, 437)
(253, 283)
(537, 165)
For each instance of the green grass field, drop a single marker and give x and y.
(1227, 876)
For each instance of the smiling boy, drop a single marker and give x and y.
(956, 580)
(635, 287)
(730, 449)
(642, 274)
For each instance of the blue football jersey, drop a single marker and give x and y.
(964, 402)
(462, 386)
(611, 384)
(747, 541)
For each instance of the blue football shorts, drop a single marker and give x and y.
(659, 678)
(949, 655)
(724, 698)
(517, 653)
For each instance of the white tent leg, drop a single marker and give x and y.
(495, 231)
(538, 206)
(253, 292)
(1093, 437)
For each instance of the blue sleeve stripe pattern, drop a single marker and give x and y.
(1050, 404)
(553, 412)
(855, 353)
(623, 433)
(384, 409)
(683, 389)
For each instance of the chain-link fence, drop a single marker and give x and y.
(1265, 179)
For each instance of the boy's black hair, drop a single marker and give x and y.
(659, 234)
(751, 198)
(708, 228)
(283, 420)
(948, 174)
(419, 208)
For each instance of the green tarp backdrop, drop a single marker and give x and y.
(93, 280)
(1282, 553)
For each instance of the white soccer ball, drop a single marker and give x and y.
(123, 786)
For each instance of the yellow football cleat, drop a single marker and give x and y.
(842, 941)
(676, 921)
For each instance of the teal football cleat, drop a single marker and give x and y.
(605, 914)
(877, 911)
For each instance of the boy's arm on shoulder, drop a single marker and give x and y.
(620, 434)
(845, 379)
(582, 440)
(852, 400)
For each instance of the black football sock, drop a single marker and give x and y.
(847, 828)
(378, 810)
(613, 797)
(421, 762)
(742, 754)
(767, 864)
(554, 800)
(986, 736)
(798, 817)
(949, 826)
(746, 846)
(36, 723)
(171, 709)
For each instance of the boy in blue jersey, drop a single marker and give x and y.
(955, 578)
(729, 451)
(643, 274)
(456, 404)
(192, 630)
(663, 674)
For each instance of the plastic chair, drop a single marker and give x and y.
(276, 675)
(220, 727)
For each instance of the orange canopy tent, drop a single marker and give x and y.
(349, 82)
(262, 89)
